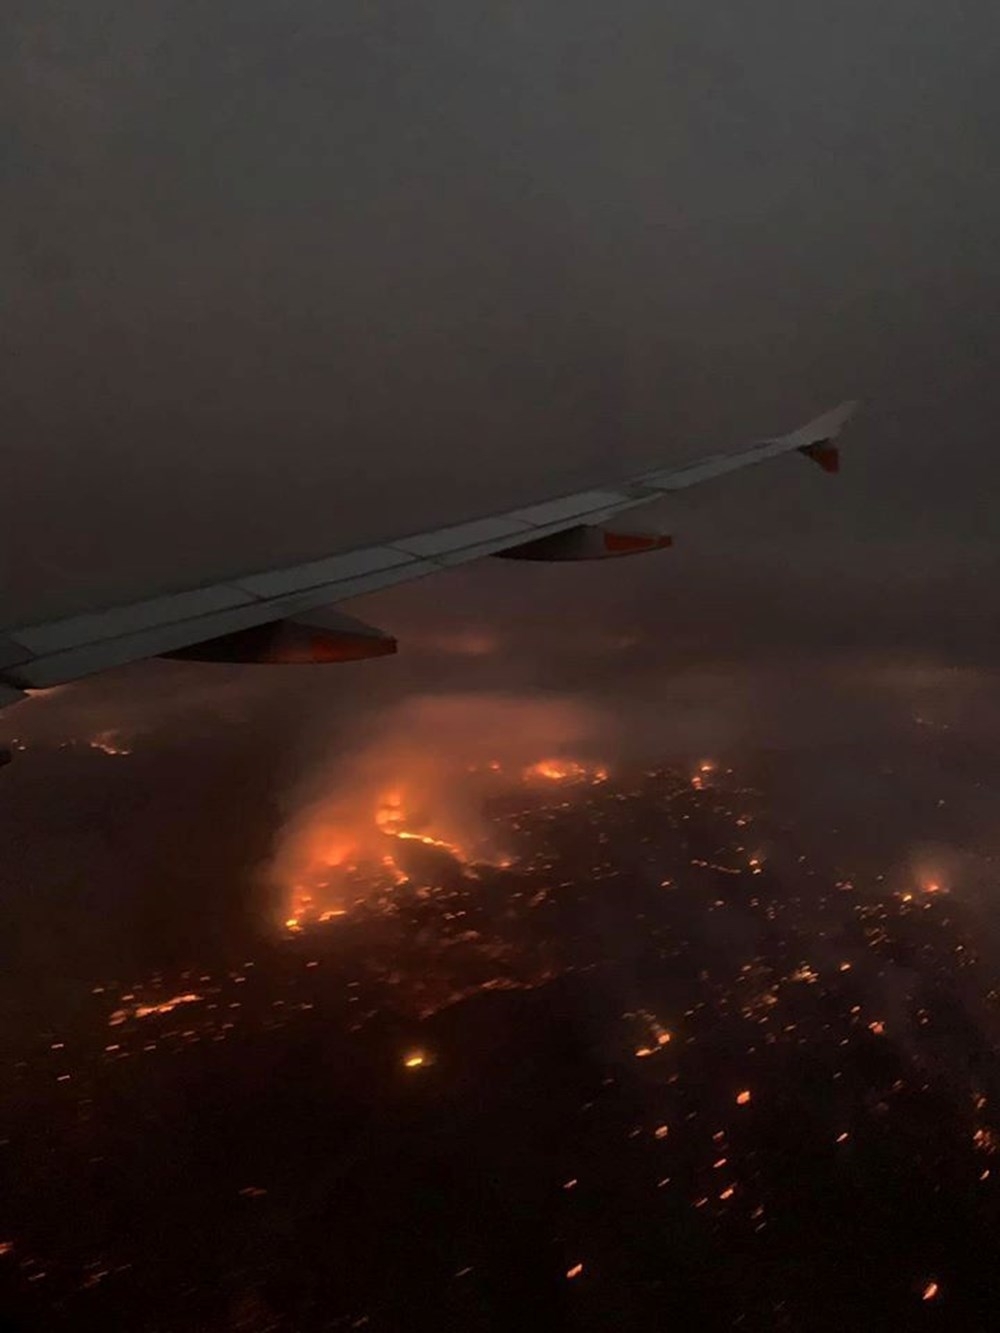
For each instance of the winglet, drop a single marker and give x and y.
(813, 439)
(826, 427)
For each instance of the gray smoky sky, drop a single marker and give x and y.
(279, 278)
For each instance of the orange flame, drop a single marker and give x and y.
(564, 770)
(331, 855)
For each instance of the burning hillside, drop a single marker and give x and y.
(412, 798)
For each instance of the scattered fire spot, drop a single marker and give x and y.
(136, 1010)
(108, 742)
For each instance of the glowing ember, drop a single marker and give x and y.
(985, 1140)
(662, 1131)
(145, 1010)
(805, 973)
(930, 1291)
(415, 1060)
(108, 743)
(575, 1271)
(742, 1098)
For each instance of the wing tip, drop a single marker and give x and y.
(825, 427)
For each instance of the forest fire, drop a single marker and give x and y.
(390, 818)
(644, 1001)
(564, 770)
(338, 864)
(409, 800)
(344, 849)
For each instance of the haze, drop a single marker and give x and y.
(279, 279)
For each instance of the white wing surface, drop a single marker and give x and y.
(274, 615)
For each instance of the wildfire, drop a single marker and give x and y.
(389, 813)
(564, 770)
(657, 1036)
(367, 836)
(145, 1010)
(332, 856)
(390, 819)
(108, 742)
(985, 1140)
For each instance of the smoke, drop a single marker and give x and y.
(435, 758)
(149, 700)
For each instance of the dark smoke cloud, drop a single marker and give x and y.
(280, 282)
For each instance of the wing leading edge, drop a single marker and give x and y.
(42, 655)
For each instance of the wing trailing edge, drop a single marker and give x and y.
(274, 612)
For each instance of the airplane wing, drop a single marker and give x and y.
(287, 615)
